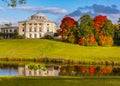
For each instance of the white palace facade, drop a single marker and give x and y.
(37, 26)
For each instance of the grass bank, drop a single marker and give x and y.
(18, 49)
(60, 81)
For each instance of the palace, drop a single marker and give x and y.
(36, 27)
(8, 31)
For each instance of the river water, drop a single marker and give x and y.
(57, 70)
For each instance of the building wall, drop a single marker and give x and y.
(21, 28)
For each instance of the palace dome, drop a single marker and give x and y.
(39, 16)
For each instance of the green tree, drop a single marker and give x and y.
(108, 33)
(86, 30)
(86, 26)
(14, 3)
(73, 35)
(117, 33)
(108, 28)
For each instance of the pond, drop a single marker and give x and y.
(57, 70)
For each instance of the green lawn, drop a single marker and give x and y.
(36, 48)
(60, 81)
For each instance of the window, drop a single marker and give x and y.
(30, 35)
(30, 73)
(47, 29)
(10, 30)
(35, 35)
(23, 72)
(15, 30)
(40, 36)
(35, 72)
(23, 30)
(30, 29)
(6, 31)
(40, 72)
(35, 23)
(40, 29)
(35, 29)
(40, 23)
(30, 23)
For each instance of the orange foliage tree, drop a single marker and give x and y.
(104, 30)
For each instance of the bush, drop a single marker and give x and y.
(1, 37)
(48, 37)
(56, 34)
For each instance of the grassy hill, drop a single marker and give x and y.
(35, 48)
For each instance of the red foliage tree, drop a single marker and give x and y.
(67, 24)
(99, 21)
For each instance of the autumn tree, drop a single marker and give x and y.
(67, 29)
(86, 30)
(104, 30)
(14, 3)
(117, 33)
(92, 70)
(108, 33)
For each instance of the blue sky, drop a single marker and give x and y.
(57, 9)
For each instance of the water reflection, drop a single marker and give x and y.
(57, 70)
(50, 71)
(8, 70)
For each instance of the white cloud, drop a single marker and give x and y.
(113, 17)
(6, 21)
(112, 12)
(50, 10)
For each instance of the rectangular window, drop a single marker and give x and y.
(40, 29)
(10, 30)
(40, 23)
(30, 23)
(35, 23)
(23, 30)
(47, 29)
(35, 29)
(15, 30)
(6, 31)
(30, 30)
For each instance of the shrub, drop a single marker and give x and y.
(48, 37)
(56, 34)
(1, 37)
